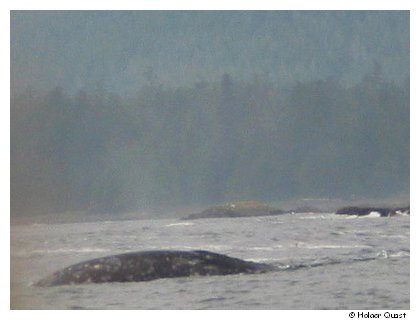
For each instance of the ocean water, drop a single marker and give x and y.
(326, 261)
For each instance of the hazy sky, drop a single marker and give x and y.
(122, 50)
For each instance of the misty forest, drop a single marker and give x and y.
(122, 111)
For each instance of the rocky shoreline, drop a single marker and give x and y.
(245, 209)
(366, 210)
(257, 209)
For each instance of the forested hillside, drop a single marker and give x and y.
(209, 142)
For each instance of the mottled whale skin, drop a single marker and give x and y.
(151, 265)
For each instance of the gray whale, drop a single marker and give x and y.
(150, 265)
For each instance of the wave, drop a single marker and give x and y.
(317, 215)
(302, 245)
(67, 250)
(179, 224)
(384, 254)
(373, 214)
(389, 254)
(218, 248)
(331, 246)
(265, 248)
(41, 252)
(273, 261)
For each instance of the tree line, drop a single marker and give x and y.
(207, 143)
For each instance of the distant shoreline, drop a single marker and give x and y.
(177, 212)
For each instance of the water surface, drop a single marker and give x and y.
(327, 262)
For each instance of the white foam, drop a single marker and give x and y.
(394, 236)
(372, 214)
(383, 254)
(261, 260)
(262, 248)
(331, 246)
(353, 216)
(316, 215)
(179, 224)
(399, 254)
(402, 213)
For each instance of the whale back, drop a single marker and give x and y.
(150, 265)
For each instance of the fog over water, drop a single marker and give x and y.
(131, 129)
(115, 112)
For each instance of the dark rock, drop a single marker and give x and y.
(237, 209)
(383, 211)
